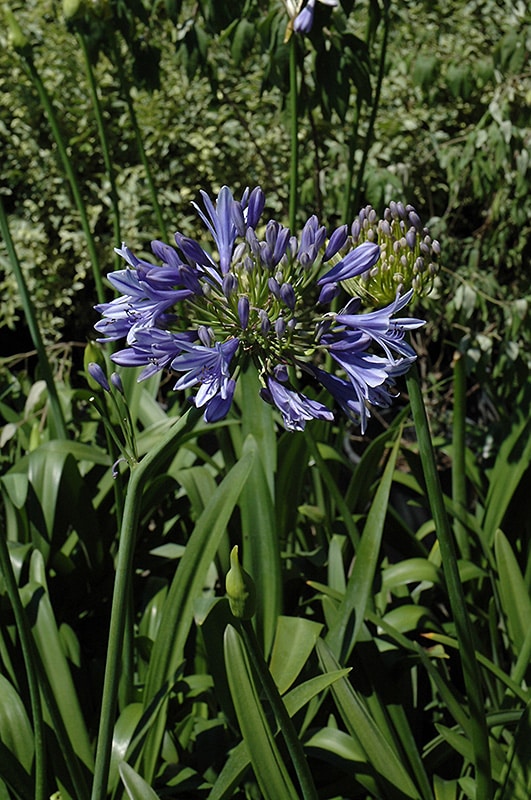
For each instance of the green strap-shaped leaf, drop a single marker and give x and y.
(514, 594)
(135, 786)
(14, 775)
(359, 586)
(380, 755)
(269, 768)
(295, 639)
(516, 774)
(38, 607)
(511, 463)
(177, 615)
(15, 728)
(239, 758)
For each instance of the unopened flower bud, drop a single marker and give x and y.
(17, 37)
(287, 294)
(328, 293)
(117, 383)
(240, 588)
(336, 242)
(230, 284)
(243, 311)
(72, 8)
(99, 379)
(411, 238)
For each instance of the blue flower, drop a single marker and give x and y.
(303, 22)
(210, 368)
(264, 295)
(296, 409)
(354, 263)
(379, 325)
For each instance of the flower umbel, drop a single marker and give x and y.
(264, 295)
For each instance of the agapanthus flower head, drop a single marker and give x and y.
(260, 295)
(408, 254)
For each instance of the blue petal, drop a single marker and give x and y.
(354, 263)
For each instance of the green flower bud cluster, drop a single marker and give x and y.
(408, 254)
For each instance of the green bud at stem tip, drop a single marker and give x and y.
(17, 37)
(240, 589)
(71, 8)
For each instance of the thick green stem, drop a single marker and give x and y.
(353, 144)
(374, 109)
(283, 719)
(98, 113)
(133, 502)
(458, 459)
(69, 171)
(294, 130)
(471, 673)
(57, 422)
(126, 93)
(28, 653)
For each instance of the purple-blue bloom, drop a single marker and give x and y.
(296, 409)
(354, 263)
(259, 294)
(303, 22)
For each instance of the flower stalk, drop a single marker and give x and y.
(33, 73)
(471, 673)
(109, 168)
(140, 474)
(294, 130)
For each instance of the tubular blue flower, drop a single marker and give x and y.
(219, 221)
(143, 304)
(155, 349)
(262, 297)
(210, 368)
(296, 409)
(303, 22)
(345, 394)
(379, 325)
(336, 242)
(354, 263)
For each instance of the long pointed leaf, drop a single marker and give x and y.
(177, 615)
(361, 579)
(380, 755)
(269, 768)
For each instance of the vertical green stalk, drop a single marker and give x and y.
(353, 144)
(126, 93)
(471, 673)
(294, 129)
(374, 108)
(68, 168)
(28, 653)
(57, 422)
(140, 474)
(283, 719)
(458, 460)
(98, 113)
